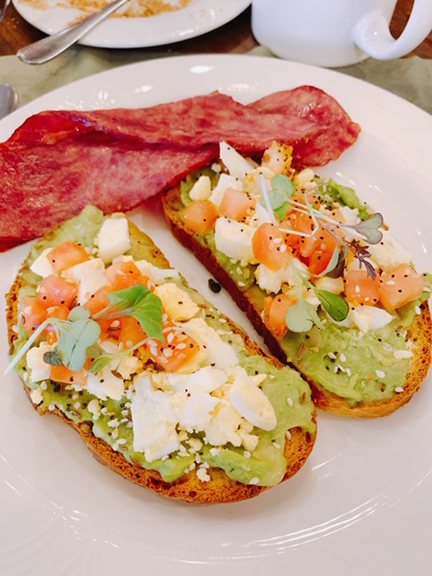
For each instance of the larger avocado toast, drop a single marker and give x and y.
(161, 387)
(317, 273)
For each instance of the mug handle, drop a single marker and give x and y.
(372, 34)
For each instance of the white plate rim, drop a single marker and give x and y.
(200, 17)
(322, 539)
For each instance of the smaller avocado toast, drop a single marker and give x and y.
(162, 388)
(317, 273)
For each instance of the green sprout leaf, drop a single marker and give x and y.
(100, 363)
(74, 337)
(302, 316)
(334, 304)
(149, 314)
(282, 190)
(140, 303)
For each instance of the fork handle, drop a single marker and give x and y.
(50, 47)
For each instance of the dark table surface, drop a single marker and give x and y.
(235, 37)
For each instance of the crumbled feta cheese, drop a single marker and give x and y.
(154, 421)
(219, 353)
(177, 303)
(94, 408)
(388, 252)
(403, 354)
(251, 402)
(156, 275)
(234, 239)
(36, 396)
(203, 475)
(369, 317)
(224, 182)
(89, 276)
(269, 280)
(113, 238)
(236, 165)
(42, 266)
(201, 190)
(39, 370)
(105, 385)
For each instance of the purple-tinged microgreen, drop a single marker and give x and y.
(369, 228)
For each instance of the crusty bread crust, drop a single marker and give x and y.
(420, 331)
(221, 488)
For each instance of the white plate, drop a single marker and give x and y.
(363, 501)
(199, 17)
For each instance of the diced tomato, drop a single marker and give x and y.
(179, 348)
(99, 300)
(269, 248)
(200, 216)
(319, 261)
(303, 223)
(56, 291)
(122, 275)
(68, 376)
(67, 255)
(130, 332)
(59, 312)
(275, 310)
(237, 204)
(399, 286)
(32, 313)
(361, 288)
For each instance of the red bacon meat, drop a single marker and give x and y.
(59, 161)
(307, 102)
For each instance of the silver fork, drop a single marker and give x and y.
(50, 47)
(8, 100)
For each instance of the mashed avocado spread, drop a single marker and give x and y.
(357, 365)
(111, 420)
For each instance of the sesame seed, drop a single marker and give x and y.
(398, 390)
(254, 480)
(380, 373)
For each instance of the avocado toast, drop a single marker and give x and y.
(317, 273)
(162, 388)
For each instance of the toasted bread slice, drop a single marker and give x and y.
(251, 301)
(190, 486)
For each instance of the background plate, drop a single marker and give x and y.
(362, 502)
(199, 17)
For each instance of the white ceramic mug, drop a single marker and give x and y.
(337, 32)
